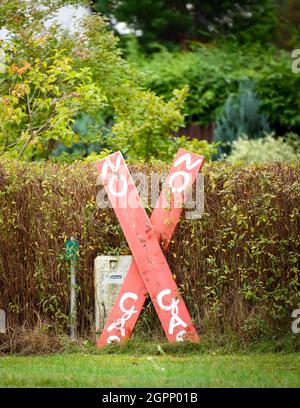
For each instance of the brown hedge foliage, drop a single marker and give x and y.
(238, 266)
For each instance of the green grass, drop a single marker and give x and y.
(111, 370)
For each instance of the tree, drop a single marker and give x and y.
(41, 92)
(241, 116)
(43, 98)
(177, 21)
(52, 77)
(288, 30)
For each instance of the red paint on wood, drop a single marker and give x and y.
(149, 270)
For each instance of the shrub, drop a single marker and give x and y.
(241, 115)
(267, 149)
(277, 86)
(42, 99)
(213, 72)
(238, 266)
(52, 78)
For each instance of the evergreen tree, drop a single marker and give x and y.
(241, 116)
(177, 21)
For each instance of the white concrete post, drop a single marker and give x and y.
(110, 272)
(2, 321)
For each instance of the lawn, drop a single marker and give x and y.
(202, 370)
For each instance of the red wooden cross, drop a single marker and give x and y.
(149, 271)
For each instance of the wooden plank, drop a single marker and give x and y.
(133, 293)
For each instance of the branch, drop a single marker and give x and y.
(25, 145)
(6, 147)
(31, 132)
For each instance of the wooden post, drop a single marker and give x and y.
(143, 238)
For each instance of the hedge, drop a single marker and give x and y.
(238, 266)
